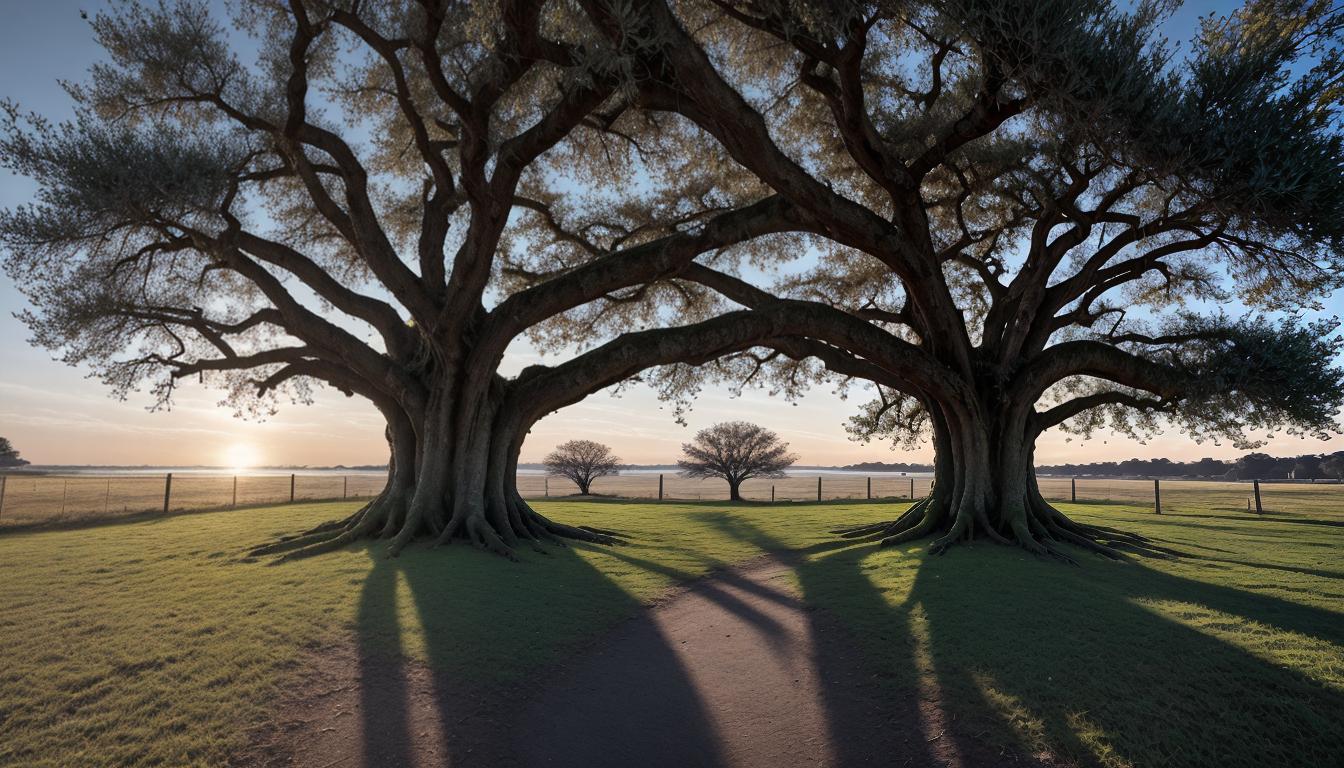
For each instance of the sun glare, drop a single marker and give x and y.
(242, 456)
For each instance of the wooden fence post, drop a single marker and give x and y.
(234, 505)
(912, 489)
(1157, 496)
(660, 486)
(1259, 510)
(4, 479)
(870, 489)
(345, 486)
(1073, 489)
(818, 487)
(291, 489)
(167, 491)
(772, 494)
(546, 484)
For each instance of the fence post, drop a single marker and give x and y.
(818, 487)
(912, 489)
(660, 486)
(1259, 510)
(1073, 489)
(546, 484)
(870, 489)
(772, 494)
(291, 489)
(4, 479)
(345, 486)
(167, 491)
(234, 505)
(1157, 497)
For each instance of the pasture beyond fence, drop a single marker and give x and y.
(30, 499)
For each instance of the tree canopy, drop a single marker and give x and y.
(1005, 217)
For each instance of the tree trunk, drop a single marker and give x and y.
(452, 474)
(985, 486)
(583, 487)
(734, 490)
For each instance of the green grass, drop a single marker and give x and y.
(153, 643)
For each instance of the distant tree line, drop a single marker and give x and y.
(9, 457)
(1252, 466)
(882, 466)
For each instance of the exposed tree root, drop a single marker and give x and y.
(1036, 526)
(387, 515)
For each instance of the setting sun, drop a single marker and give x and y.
(242, 456)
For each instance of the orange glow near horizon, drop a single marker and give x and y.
(241, 456)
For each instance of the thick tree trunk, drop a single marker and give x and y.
(452, 475)
(734, 490)
(985, 486)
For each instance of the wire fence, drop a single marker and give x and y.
(671, 486)
(1322, 499)
(29, 500)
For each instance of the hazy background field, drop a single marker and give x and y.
(70, 498)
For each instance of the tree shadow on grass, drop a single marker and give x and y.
(882, 705)
(1009, 656)
(1292, 518)
(486, 627)
(983, 657)
(1114, 663)
(1317, 573)
(1122, 662)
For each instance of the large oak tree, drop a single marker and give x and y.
(382, 203)
(1028, 215)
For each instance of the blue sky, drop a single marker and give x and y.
(53, 414)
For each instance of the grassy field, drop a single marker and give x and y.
(155, 643)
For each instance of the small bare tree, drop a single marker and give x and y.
(582, 461)
(735, 451)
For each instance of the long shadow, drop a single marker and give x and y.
(985, 656)
(386, 731)
(1266, 517)
(875, 715)
(487, 627)
(1094, 660)
(1111, 662)
(1318, 573)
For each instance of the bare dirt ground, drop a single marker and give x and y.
(732, 671)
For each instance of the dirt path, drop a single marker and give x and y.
(734, 671)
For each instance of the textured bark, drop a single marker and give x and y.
(452, 475)
(454, 462)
